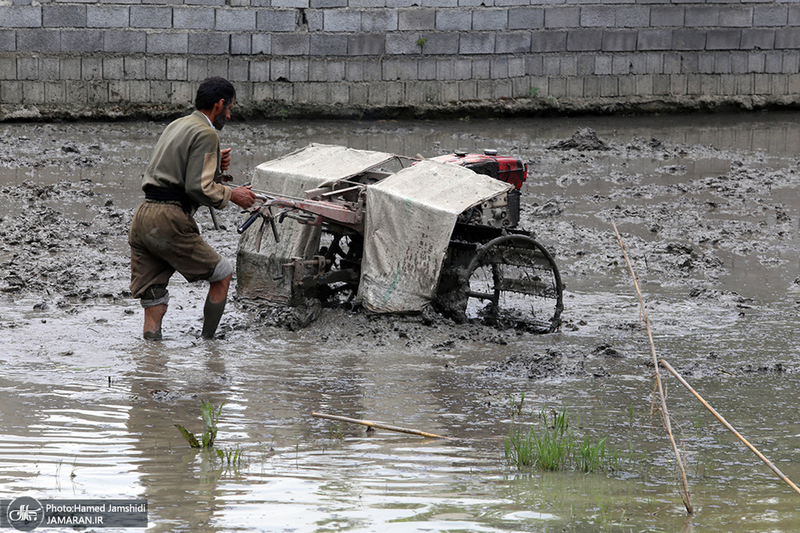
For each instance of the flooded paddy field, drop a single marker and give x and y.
(708, 208)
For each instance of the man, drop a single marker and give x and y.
(164, 236)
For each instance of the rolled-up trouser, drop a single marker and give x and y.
(164, 239)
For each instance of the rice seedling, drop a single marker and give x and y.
(232, 457)
(210, 418)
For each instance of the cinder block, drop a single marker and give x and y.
(521, 87)
(793, 81)
(354, 71)
(445, 70)
(416, 19)
(376, 94)
(690, 62)
(689, 39)
(655, 62)
(399, 69)
(151, 17)
(290, 44)
(401, 3)
(774, 62)
(467, 90)
(259, 71)
(339, 93)
(134, 68)
(160, 92)
(723, 39)
(373, 70)
(241, 43)
(597, 16)
(654, 40)
(118, 91)
(477, 43)
(626, 86)
(762, 83)
(462, 69)
(453, 20)
(539, 86)
(722, 63)
(794, 15)
(124, 41)
(235, 19)
(485, 90)
(317, 70)
(661, 84)
(323, 44)
(758, 39)
(791, 62)
(778, 85)
(569, 65)
(91, 68)
(638, 64)
(21, 16)
(321, 4)
(621, 64)
(49, 68)
(167, 43)
(402, 44)
(210, 43)
(54, 92)
(183, 93)
(633, 17)
(239, 69)
(534, 65)
(441, 44)
(619, 41)
(282, 92)
(526, 18)
(32, 92)
(574, 87)
(63, 16)
(366, 44)
(313, 19)
(481, 69)
(489, 19)
(787, 38)
(139, 91)
(294, 4)
(378, 20)
(8, 40)
(193, 18)
(744, 84)
(11, 92)
(8, 68)
(155, 68)
(756, 61)
(438, 3)
(278, 20)
(591, 87)
(548, 41)
(702, 16)
(603, 64)
(551, 66)
(736, 16)
(502, 89)
(103, 16)
(666, 16)
(261, 44)
(218, 66)
(562, 17)
(298, 70)
(498, 68)
(771, 15)
(644, 85)
(739, 63)
(706, 63)
(366, 4)
(513, 43)
(426, 69)
(557, 87)
(177, 68)
(694, 84)
(584, 40)
(38, 40)
(82, 41)
(678, 85)
(279, 70)
(113, 68)
(341, 20)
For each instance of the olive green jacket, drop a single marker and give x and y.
(187, 158)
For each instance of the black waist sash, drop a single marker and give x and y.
(164, 194)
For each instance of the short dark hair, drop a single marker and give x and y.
(212, 90)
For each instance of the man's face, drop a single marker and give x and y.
(224, 115)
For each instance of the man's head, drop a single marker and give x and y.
(215, 96)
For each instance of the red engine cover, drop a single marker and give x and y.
(501, 167)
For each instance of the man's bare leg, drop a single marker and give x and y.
(152, 321)
(215, 306)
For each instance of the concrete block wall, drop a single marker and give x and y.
(345, 57)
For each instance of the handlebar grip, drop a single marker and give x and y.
(249, 222)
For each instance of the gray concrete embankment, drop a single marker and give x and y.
(397, 58)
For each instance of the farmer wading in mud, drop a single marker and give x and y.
(164, 236)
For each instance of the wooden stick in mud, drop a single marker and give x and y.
(727, 425)
(379, 425)
(664, 413)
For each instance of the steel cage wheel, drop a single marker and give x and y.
(513, 280)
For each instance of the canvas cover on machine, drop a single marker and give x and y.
(409, 219)
(290, 176)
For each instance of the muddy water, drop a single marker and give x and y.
(708, 209)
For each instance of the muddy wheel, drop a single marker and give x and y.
(514, 282)
(343, 254)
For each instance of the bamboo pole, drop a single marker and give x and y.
(727, 425)
(664, 413)
(379, 425)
